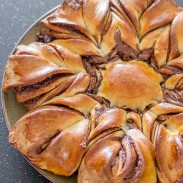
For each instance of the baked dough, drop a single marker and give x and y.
(130, 84)
(104, 86)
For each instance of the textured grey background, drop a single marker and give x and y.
(15, 18)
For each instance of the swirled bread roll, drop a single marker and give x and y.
(103, 84)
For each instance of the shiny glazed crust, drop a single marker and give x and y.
(104, 86)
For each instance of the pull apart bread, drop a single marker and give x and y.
(104, 86)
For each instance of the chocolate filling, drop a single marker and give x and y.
(98, 112)
(167, 71)
(44, 36)
(135, 166)
(113, 55)
(120, 159)
(127, 53)
(46, 82)
(146, 54)
(173, 96)
(180, 180)
(148, 107)
(91, 70)
(131, 124)
(136, 172)
(73, 29)
(163, 117)
(74, 4)
(101, 100)
(179, 85)
(33, 101)
(137, 169)
(92, 85)
(36, 99)
(95, 59)
(154, 62)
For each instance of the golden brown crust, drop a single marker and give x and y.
(109, 78)
(94, 13)
(41, 71)
(41, 50)
(134, 10)
(163, 125)
(36, 102)
(113, 119)
(149, 40)
(122, 82)
(22, 70)
(119, 157)
(79, 102)
(161, 47)
(49, 148)
(68, 20)
(108, 42)
(26, 95)
(176, 37)
(81, 47)
(158, 16)
(70, 59)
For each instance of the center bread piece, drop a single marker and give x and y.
(132, 85)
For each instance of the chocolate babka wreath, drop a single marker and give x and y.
(104, 86)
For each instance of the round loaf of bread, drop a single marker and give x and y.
(103, 84)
